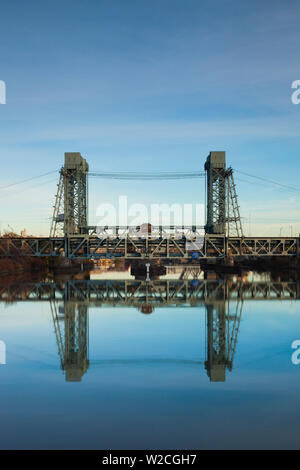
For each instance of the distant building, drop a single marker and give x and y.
(24, 233)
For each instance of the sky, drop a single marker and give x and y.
(150, 86)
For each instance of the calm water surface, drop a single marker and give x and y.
(83, 373)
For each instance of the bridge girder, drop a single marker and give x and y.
(92, 247)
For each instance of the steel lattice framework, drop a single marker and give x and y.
(70, 215)
(93, 247)
(233, 218)
(71, 209)
(215, 167)
(223, 214)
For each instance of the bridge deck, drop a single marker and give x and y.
(93, 247)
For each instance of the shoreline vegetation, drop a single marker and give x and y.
(14, 266)
(20, 264)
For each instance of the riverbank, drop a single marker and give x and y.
(254, 263)
(20, 264)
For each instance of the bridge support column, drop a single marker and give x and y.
(75, 194)
(71, 204)
(215, 167)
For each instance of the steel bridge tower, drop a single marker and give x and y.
(71, 205)
(215, 167)
(223, 214)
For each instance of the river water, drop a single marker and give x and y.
(164, 364)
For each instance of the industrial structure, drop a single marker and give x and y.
(71, 203)
(223, 214)
(222, 235)
(70, 215)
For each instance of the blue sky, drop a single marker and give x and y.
(140, 85)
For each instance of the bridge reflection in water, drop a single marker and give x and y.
(222, 299)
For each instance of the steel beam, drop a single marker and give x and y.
(215, 167)
(128, 247)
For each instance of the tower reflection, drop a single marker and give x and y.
(71, 330)
(222, 299)
(221, 339)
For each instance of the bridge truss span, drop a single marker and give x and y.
(221, 236)
(150, 247)
(263, 246)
